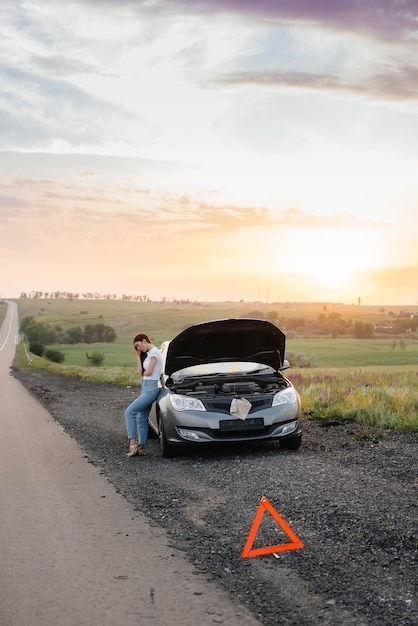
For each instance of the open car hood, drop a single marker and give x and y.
(226, 341)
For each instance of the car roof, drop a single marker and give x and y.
(227, 340)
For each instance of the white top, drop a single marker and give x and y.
(153, 352)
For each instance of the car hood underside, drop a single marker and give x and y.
(240, 339)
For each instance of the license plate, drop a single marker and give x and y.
(251, 423)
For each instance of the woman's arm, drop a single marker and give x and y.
(140, 357)
(151, 365)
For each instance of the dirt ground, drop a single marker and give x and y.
(350, 495)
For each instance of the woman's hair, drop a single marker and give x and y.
(140, 337)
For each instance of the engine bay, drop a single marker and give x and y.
(228, 386)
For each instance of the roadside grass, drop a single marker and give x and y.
(116, 375)
(375, 397)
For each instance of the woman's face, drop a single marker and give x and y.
(140, 346)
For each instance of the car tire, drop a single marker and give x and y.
(167, 449)
(293, 443)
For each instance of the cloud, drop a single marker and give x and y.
(60, 65)
(385, 19)
(36, 109)
(125, 206)
(10, 202)
(399, 82)
(396, 82)
(215, 219)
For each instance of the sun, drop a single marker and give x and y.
(336, 276)
(331, 258)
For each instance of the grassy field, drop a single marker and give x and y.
(326, 352)
(348, 352)
(164, 321)
(161, 321)
(373, 381)
(376, 397)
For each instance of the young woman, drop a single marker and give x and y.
(136, 415)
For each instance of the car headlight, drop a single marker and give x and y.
(185, 403)
(286, 396)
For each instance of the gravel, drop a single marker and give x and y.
(350, 496)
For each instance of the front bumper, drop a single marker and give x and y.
(194, 434)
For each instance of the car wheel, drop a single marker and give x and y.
(291, 444)
(167, 449)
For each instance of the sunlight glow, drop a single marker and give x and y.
(333, 256)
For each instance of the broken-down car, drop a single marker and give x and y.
(222, 382)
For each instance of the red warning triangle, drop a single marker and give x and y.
(248, 549)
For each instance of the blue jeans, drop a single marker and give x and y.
(136, 415)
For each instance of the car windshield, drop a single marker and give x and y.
(210, 369)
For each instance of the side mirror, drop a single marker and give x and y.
(285, 365)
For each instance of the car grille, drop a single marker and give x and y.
(223, 405)
(264, 431)
(251, 423)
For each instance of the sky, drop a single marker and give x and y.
(210, 150)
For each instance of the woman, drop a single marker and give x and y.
(136, 415)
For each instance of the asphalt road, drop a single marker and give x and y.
(73, 551)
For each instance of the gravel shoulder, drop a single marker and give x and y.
(352, 501)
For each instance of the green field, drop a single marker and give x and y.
(165, 321)
(372, 381)
(348, 352)
(334, 353)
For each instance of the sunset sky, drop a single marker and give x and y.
(210, 149)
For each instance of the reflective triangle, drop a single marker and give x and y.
(249, 551)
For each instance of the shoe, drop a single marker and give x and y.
(133, 450)
(141, 450)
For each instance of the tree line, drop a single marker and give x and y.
(332, 324)
(40, 332)
(89, 295)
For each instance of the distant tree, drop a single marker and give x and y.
(99, 333)
(26, 322)
(37, 348)
(75, 335)
(109, 334)
(54, 355)
(362, 330)
(272, 316)
(255, 314)
(89, 334)
(38, 332)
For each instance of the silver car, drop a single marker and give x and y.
(222, 383)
